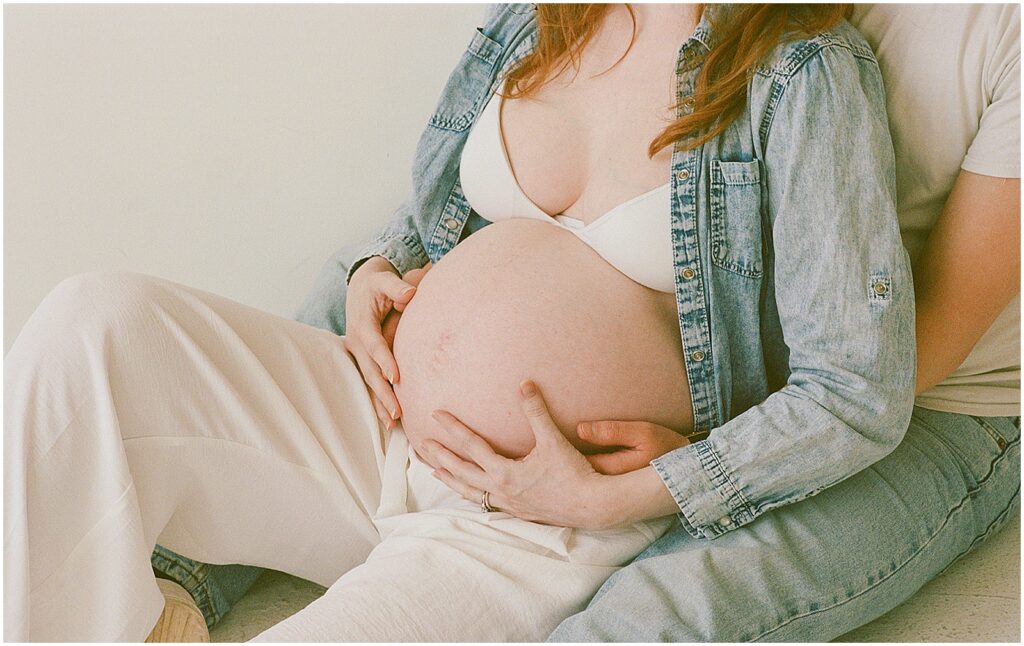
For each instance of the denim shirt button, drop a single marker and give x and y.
(688, 273)
(683, 175)
(725, 521)
(698, 355)
(689, 102)
(881, 288)
(451, 224)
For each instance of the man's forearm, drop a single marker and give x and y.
(635, 496)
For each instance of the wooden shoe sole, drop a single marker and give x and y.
(181, 620)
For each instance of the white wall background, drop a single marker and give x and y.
(228, 147)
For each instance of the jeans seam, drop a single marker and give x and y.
(984, 427)
(195, 582)
(207, 607)
(991, 429)
(956, 508)
(994, 526)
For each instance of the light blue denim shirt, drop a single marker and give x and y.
(795, 300)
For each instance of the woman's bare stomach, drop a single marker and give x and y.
(524, 299)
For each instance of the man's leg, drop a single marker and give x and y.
(816, 569)
(217, 588)
(214, 588)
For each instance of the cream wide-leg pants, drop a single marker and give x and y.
(138, 410)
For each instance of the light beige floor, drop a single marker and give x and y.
(977, 600)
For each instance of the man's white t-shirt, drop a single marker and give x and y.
(952, 80)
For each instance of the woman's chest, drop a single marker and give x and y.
(579, 146)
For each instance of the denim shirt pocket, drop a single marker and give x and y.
(468, 85)
(736, 243)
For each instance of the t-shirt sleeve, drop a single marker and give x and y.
(995, 150)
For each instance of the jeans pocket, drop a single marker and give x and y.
(736, 236)
(1002, 431)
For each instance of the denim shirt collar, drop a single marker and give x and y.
(703, 33)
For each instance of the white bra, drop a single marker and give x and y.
(635, 236)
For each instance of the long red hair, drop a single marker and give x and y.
(744, 35)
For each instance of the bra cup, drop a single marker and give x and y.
(637, 241)
(634, 237)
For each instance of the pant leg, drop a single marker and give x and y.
(816, 569)
(138, 409)
(444, 571)
(216, 588)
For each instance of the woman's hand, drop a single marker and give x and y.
(635, 444)
(553, 484)
(375, 292)
(390, 324)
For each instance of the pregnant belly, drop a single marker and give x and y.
(524, 299)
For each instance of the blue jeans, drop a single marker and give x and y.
(818, 568)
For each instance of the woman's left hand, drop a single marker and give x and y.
(553, 484)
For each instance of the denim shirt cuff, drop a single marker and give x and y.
(402, 251)
(709, 502)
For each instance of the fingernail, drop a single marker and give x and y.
(527, 388)
(585, 428)
(407, 291)
(390, 377)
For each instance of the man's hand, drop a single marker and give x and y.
(635, 444)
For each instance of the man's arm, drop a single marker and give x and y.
(967, 273)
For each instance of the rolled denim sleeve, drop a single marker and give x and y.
(845, 302)
(398, 241)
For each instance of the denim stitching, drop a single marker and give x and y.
(726, 487)
(440, 241)
(197, 586)
(992, 528)
(925, 544)
(967, 463)
(719, 216)
(949, 515)
(991, 430)
(484, 47)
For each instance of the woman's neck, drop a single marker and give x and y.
(657, 25)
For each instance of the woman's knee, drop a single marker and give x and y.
(98, 299)
(85, 312)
